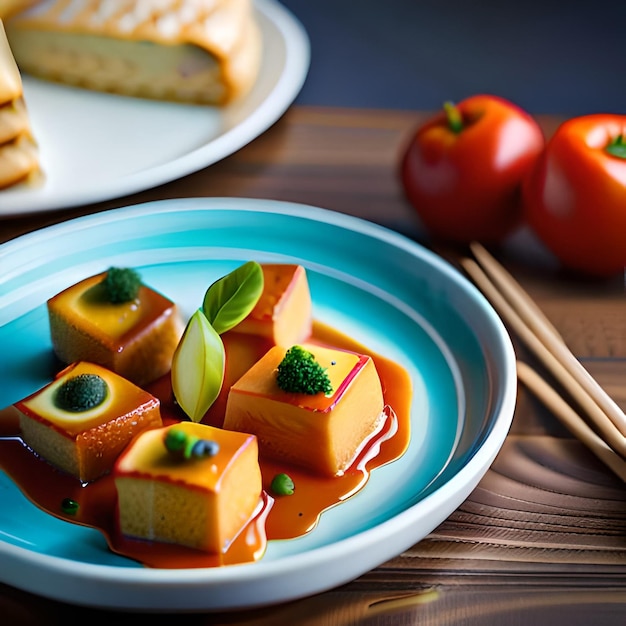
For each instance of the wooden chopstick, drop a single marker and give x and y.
(539, 323)
(514, 292)
(557, 358)
(570, 419)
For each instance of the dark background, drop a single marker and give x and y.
(547, 56)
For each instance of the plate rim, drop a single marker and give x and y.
(195, 580)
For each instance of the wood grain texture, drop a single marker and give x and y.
(542, 539)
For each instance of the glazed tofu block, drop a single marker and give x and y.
(201, 502)
(322, 433)
(283, 313)
(135, 339)
(86, 443)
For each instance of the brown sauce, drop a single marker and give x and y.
(278, 517)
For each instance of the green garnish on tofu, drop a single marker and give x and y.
(185, 446)
(121, 284)
(299, 372)
(81, 393)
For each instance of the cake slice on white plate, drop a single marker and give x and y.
(19, 154)
(192, 51)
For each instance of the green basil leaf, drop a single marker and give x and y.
(231, 298)
(198, 367)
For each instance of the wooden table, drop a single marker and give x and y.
(542, 539)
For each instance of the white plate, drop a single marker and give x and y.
(378, 287)
(96, 146)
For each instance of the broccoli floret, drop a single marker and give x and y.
(121, 284)
(299, 372)
(81, 393)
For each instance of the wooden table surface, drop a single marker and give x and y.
(542, 539)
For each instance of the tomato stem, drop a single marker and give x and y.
(617, 147)
(453, 115)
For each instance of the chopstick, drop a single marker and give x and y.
(570, 419)
(531, 326)
(534, 317)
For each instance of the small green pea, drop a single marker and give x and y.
(282, 485)
(69, 506)
(175, 440)
(185, 446)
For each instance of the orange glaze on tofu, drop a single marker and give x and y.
(201, 503)
(134, 339)
(86, 443)
(321, 433)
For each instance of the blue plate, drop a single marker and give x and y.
(379, 287)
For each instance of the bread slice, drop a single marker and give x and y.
(19, 154)
(198, 51)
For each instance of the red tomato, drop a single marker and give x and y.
(462, 170)
(575, 196)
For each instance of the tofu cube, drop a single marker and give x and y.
(86, 443)
(135, 339)
(318, 432)
(202, 503)
(283, 313)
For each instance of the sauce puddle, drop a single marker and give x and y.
(277, 517)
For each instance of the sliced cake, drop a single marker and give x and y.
(188, 484)
(322, 431)
(82, 420)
